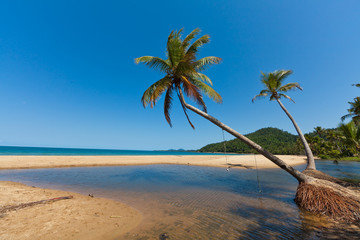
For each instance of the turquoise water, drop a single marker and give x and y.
(190, 202)
(8, 150)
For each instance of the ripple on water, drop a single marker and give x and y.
(187, 202)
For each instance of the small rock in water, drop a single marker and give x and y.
(163, 236)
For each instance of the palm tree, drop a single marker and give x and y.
(351, 133)
(320, 131)
(182, 74)
(353, 111)
(274, 88)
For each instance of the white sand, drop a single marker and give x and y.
(247, 161)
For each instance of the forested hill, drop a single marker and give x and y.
(274, 140)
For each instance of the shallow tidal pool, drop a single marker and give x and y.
(191, 202)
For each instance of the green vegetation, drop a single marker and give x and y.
(341, 143)
(182, 73)
(273, 139)
(355, 159)
(275, 89)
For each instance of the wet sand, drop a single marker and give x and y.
(81, 217)
(242, 161)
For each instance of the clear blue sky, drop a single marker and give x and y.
(68, 77)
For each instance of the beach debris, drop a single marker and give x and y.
(24, 205)
(90, 195)
(163, 236)
(114, 216)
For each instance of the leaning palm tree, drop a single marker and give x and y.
(275, 89)
(182, 74)
(353, 111)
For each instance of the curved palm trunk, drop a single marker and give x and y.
(295, 173)
(309, 155)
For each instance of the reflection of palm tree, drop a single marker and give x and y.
(182, 73)
(351, 132)
(353, 111)
(274, 88)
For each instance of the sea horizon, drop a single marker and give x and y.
(62, 151)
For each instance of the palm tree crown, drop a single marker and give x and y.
(182, 72)
(353, 111)
(274, 87)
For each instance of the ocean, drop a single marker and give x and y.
(46, 151)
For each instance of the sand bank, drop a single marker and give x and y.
(81, 217)
(246, 161)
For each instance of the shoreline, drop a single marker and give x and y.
(232, 161)
(81, 217)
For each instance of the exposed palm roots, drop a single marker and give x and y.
(325, 201)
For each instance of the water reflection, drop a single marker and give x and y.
(188, 202)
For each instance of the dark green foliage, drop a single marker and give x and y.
(274, 140)
(335, 143)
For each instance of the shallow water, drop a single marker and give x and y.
(189, 202)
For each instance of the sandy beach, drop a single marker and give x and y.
(240, 161)
(81, 217)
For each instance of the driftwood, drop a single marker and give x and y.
(24, 205)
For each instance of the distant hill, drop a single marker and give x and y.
(274, 140)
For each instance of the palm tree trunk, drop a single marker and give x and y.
(295, 173)
(309, 155)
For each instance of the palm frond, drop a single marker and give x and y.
(190, 37)
(192, 92)
(184, 68)
(203, 63)
(260, 95)
(167, 104)
(202, 77)
(273, 85)
(290, 86)
(174, 50)
(182, 71)
(152, 94)
(346, 116)
(282, 74)
(154, 62)
(184, 108)
(193, 49)
(209, 91)
(286, 96)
